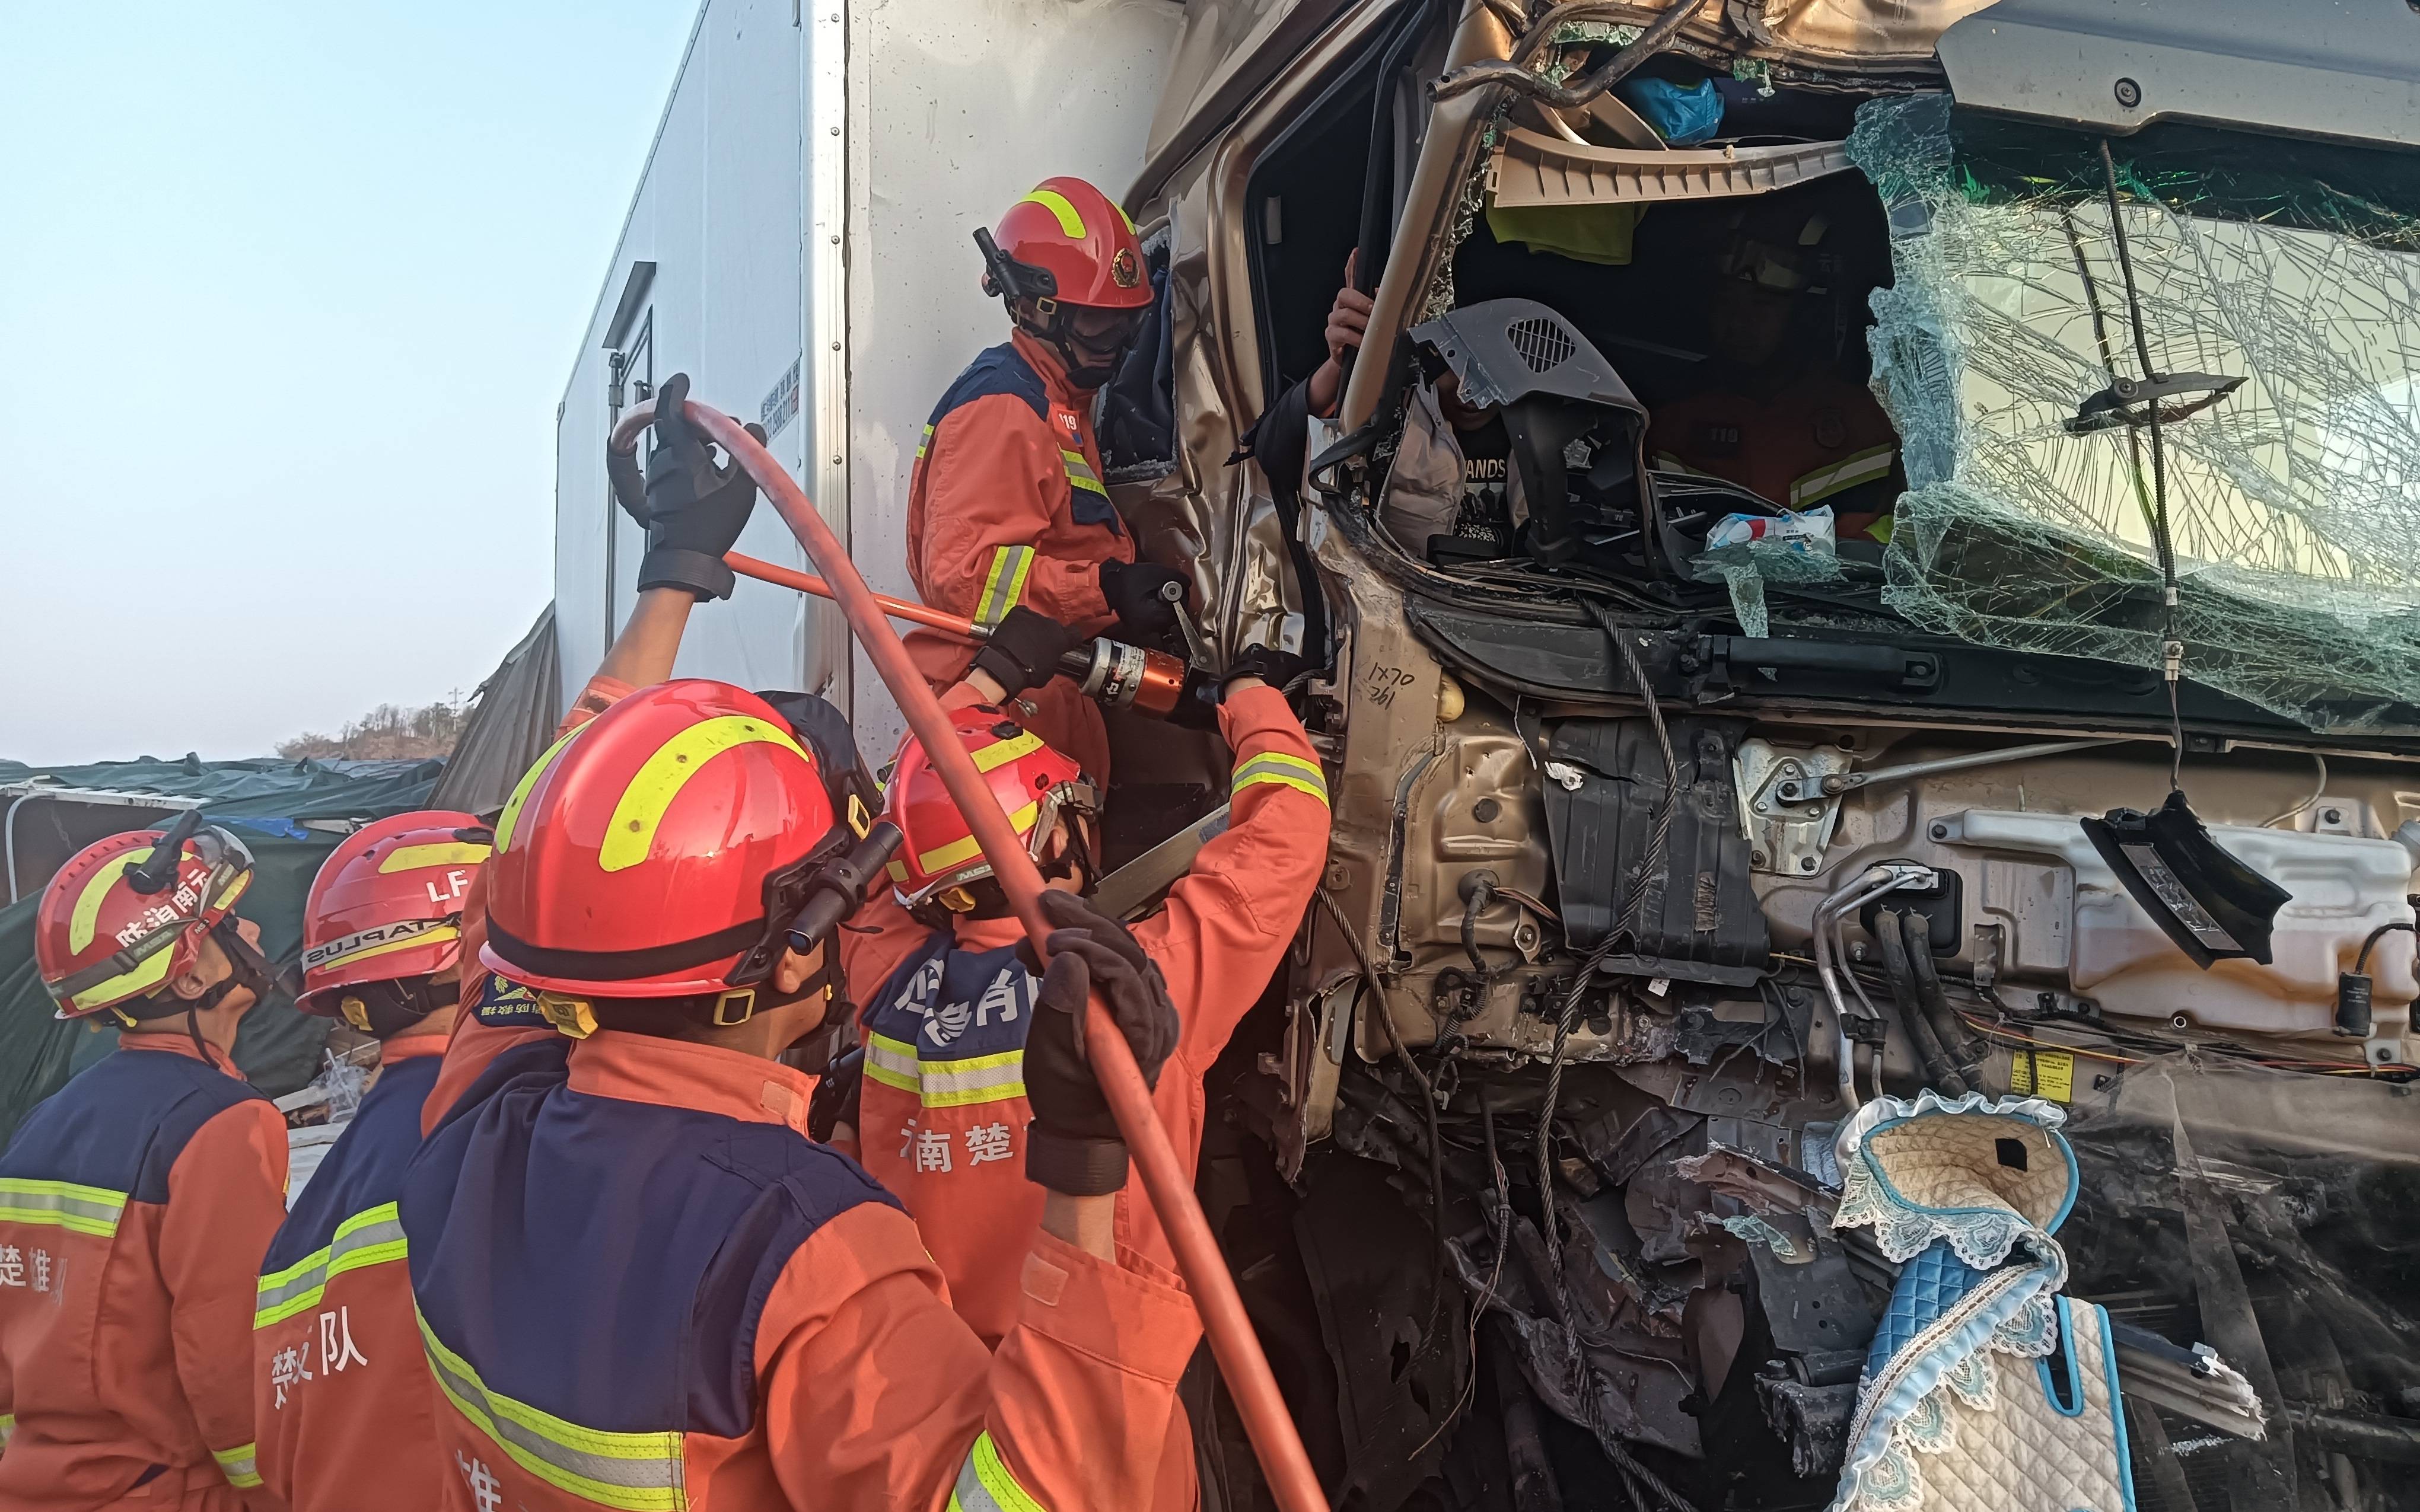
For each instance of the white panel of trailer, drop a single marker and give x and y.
(958, 109)
(809, 206)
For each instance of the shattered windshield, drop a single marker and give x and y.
(2278, 288)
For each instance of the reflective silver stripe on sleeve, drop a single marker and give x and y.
(1283, 770)
(1080, 474)
(370, 1237)
(1822, 484)
(1004, 584)
(633, 1471)
(83, 1210)
(240, 1465)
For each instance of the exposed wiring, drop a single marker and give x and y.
(1518, 76)
(1531, 902)
(1624, 931)
(2006, 1038)
(2321, 762)
(1563, 1023)
(1335, 912)
(2360, 963)
(1503, 1237)
(1660, 836)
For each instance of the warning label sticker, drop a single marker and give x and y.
(2049, 1074)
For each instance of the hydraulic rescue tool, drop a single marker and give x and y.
(1232, 1342)
(1118, 675)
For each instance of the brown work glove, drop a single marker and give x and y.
(1074, 1146)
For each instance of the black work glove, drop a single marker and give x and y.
(1197, 705)
(1073, 1145)
(1024, 650)
(835, 1100)
(1133, 590)
(1276, 667)
(691, 510)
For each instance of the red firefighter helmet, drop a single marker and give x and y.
(1082, 239)
(386, 906)
(649, 852)
(939, 859)
(119, 921)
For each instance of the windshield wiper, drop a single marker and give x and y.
(2138, 402)
(2210, 905)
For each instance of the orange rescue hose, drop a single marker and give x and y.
(898, 609)
(1232, 1342)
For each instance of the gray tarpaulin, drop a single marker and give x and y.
(519, 707)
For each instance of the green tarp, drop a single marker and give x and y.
(272, 804)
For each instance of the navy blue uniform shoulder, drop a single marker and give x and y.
(364, 1168)
(995, 370)
(547, 1208)
(532, 1064)
(121, 1124)
(949, 1004)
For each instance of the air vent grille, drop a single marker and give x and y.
(1543, 344)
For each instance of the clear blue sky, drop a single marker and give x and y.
(287, 295)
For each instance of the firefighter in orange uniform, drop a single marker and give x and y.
(339, 1389)
(946, 988)
(1774, 411)
(135, 1202)
(1006, 505)
(692, 508)
(640, 1284)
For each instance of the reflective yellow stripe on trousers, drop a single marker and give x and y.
(985, 1484)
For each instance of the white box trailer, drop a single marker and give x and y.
(800, 245)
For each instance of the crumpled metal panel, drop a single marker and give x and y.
(1812, 33)
(1214, 518)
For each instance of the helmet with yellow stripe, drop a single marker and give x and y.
(128, 914)
(1066, 260)
(666, 848)
(385, 916)
(1080, 237)
(940, 866)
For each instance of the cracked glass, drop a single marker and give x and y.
(2279, 291)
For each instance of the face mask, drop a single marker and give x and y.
(1089, 361)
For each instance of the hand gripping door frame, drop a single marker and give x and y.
(1232, 1340)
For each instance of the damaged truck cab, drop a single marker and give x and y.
(1809, 467)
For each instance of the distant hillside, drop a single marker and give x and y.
(386, 732)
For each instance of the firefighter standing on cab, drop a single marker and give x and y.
(1006, 505)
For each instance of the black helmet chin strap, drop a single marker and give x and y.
(247, 968)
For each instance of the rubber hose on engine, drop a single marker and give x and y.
(1897, 965)
(1966, 1051)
